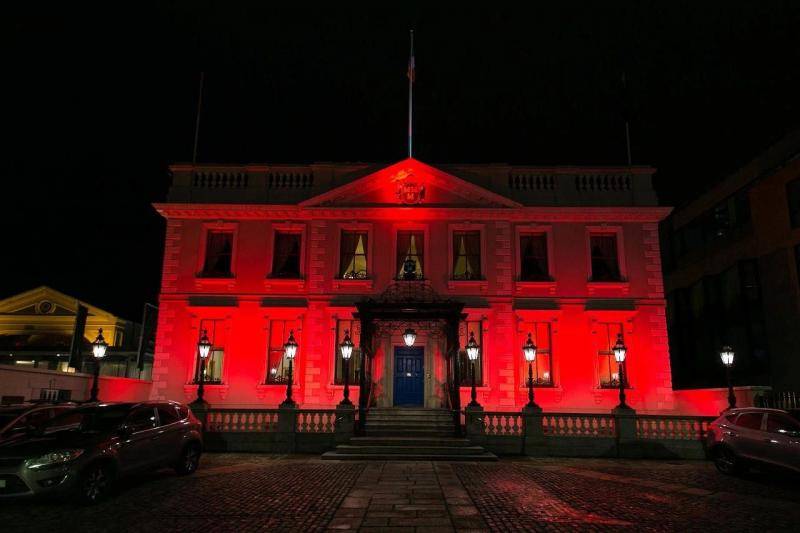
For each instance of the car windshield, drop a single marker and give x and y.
(95, 419)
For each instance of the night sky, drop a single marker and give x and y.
(97, 103)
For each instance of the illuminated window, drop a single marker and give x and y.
(219, 254)
(353, 255)
(605, 257)
(466, 255)
(464, 329)
(215, 329)
(410, 245)
(277, 364)
(286, 255)
(533, 257)
(543, 364)
(354, 327)
(608, 366)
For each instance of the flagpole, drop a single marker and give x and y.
(197, 119)
(627, 118)
(411, 73)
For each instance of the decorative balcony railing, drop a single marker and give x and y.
(672, 427)
(578, 425)
(316, 420)
(500, 423)
(241, 420)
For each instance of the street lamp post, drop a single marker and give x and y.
(289, 351)
(726, 355)
(473, 350)
(99, 347)
(529, 351)
(203, 350)
(620, 352)
(346, 348)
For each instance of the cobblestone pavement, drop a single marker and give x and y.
(243, 492)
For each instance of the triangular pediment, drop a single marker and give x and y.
(410, 183)
(46, 301)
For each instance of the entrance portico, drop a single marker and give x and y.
(424, 374)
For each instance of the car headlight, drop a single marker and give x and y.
(52, 459)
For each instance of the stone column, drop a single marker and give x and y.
(533, 442)
(345, 423)
(625, 421)
(287, 426)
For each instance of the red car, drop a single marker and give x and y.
(748, 436)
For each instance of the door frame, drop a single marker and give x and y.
(421, 352)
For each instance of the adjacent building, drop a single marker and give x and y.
(568, 256)
(731, 264)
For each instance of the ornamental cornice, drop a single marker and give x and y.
(521, 214)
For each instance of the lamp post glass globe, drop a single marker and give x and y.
(726, 354)
(290, 348)
(409, 337)
(346, 347)
(99, 345)
(620, 350)
(204, 346)
(472, 348)
(529, 350)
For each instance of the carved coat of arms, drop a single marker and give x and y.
(409, 190)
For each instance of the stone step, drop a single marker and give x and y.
(400, 424)
(329, 456)
(409, 411)
(409, 441)
(408, 432)
(386, 416)
(410, 450)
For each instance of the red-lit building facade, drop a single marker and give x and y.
(568, 255)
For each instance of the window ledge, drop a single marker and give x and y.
(536, 286)
(202, 281)
(333, 386)
(480, 284)
(555, 388)
(285, 283)
(623, 287)
(340, 283)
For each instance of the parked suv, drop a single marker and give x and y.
(750, 435)
(83, 451)
(16, 421)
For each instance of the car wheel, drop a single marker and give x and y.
(189, 460)
(95, 484)
(727, 462)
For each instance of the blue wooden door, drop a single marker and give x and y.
(408, 376)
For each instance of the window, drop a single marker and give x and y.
(286, 255)
(354, 327)
(605, 257)
(543, 364)
(277, 364)
(410, 247)
(793, 197)
(779, 423)
(464, 329)
(167, 414)
(466, 255)
(533, 257)
(609, 368)
(215, 329)
(750, 420)
(141, 419)
(219, 254)
(353, 255)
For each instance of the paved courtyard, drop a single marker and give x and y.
(242, 492)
